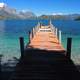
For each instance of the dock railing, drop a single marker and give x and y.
(33, 31)
(55, 31)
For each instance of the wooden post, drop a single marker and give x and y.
(40, 25)
(33, 31)
(37, 27)
(56, 31)
(22, 46)
(69, 43)
(60, 36)
(29, 36)
(53, 29)
(50, 22)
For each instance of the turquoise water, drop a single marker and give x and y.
(75, 54)
(11, 30)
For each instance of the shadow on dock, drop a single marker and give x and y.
(45, 65)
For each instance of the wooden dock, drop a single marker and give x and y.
(44, 57)
(46, 38)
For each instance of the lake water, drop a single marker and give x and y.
(11, 30)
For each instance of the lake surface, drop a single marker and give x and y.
(11, 30)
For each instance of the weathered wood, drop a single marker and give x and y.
(69, 43)
(22, 46)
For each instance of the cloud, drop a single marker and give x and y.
(57, 13)
(3, 4)
(26, 10)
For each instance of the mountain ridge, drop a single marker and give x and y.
(7, 12)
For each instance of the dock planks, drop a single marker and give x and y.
(46, 39)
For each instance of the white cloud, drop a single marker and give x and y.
(3, 5)
(57, 13)
(26, 10)
(23, 10)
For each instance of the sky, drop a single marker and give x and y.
(46, 6)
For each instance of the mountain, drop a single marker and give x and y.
(26, 15)
(58, 16)
(72, 16)
(52, 17)
(7, 12)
